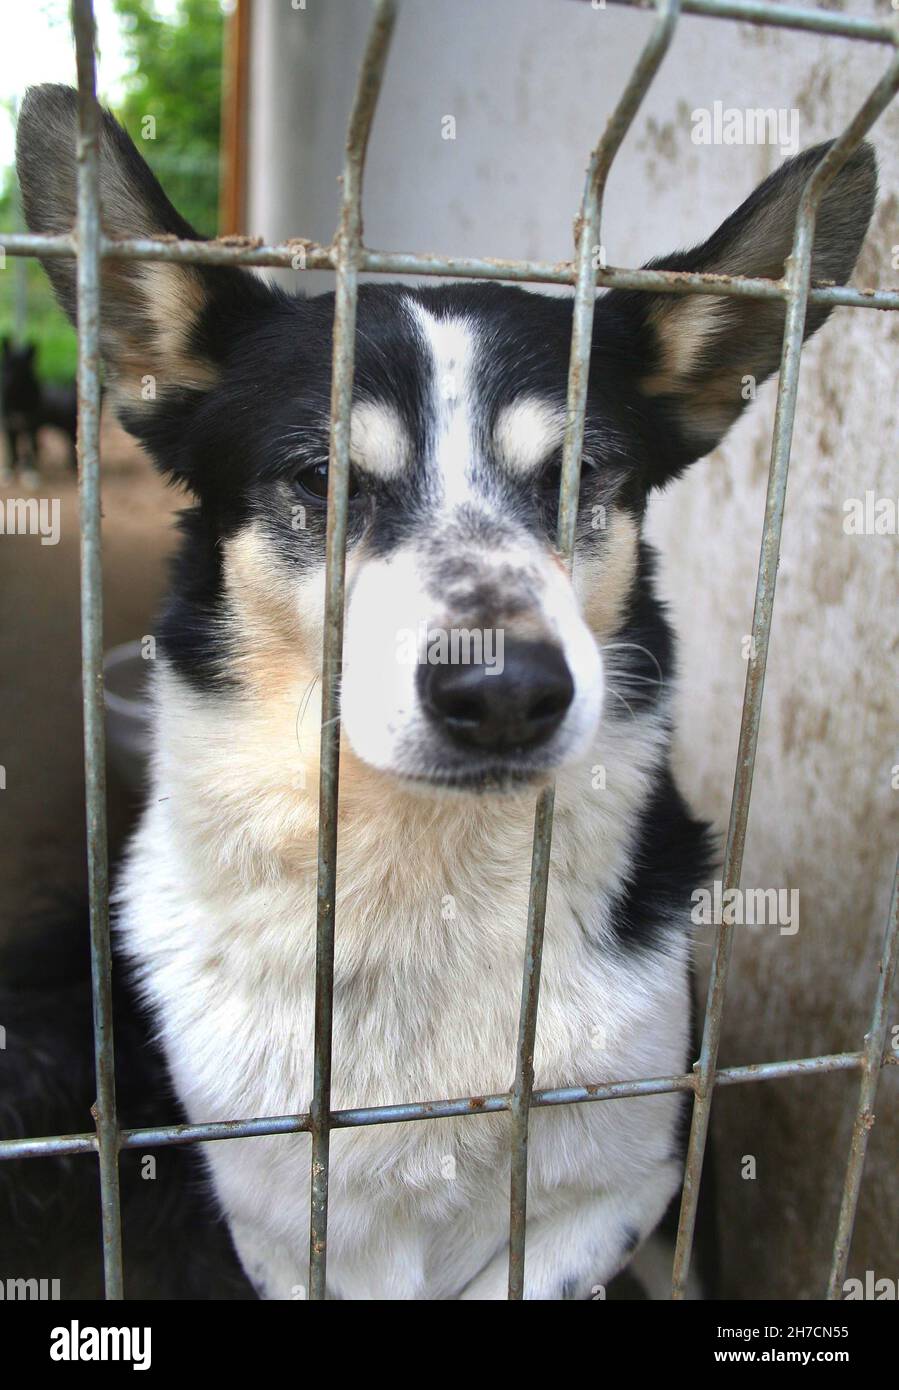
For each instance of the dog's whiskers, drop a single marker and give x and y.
(619, 696)
(635, 646)
(304, 705)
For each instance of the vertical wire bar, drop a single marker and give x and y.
(797, 273)
(348, 245)
(88, 291)
(875, 1042)
(523, 1086)
(587, 240)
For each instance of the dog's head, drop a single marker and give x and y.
(471, 658)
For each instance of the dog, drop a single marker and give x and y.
(459, 410)
(27, 405)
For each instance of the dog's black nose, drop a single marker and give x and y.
(516, 704)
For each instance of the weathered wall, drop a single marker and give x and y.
(530, 85)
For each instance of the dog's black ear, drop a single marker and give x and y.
(161, 324)
(700, 357)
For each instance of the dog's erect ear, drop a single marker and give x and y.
(155, 317)
(699, 357)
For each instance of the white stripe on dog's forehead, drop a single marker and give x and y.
(526, 432)
(451, 345)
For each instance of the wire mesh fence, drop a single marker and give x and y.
(347, 256)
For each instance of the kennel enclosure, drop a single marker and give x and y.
(347, 256)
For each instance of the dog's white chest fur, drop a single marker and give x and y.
(431, 915)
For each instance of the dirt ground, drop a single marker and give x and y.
(42, 840)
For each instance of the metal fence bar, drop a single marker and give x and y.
(163, 1136)
(522, 1088)
(588, 233)
(798, 270)
(88, 299)
(784, 17)
(348, 242)
(875, 1041)
(284, 255)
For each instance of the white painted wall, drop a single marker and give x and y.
(530, 85)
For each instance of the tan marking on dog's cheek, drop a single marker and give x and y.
(277, 627)
(277, 649)
(604, 582)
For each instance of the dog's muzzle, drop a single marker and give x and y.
(500, 711)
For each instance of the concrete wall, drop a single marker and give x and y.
(530, 85)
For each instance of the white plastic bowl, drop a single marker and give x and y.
(127, 712)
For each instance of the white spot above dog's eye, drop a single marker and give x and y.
(527, 432)
(379, 443)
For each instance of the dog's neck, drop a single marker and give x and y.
(237, 786)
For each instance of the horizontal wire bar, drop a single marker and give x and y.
(824, 22)
(162, 1136)
(282, 255)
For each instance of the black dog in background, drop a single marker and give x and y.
(175, 1245)
(27, 404)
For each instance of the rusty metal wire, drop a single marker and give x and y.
(348, 245)
(88, 291)
(347, 256)
(588, 238)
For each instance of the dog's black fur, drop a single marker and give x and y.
(175, 1245)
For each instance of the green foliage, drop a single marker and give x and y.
(46, 325)
(176, 80)
(176, 74)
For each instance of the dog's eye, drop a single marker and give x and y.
(312, 482)
(551, 477)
